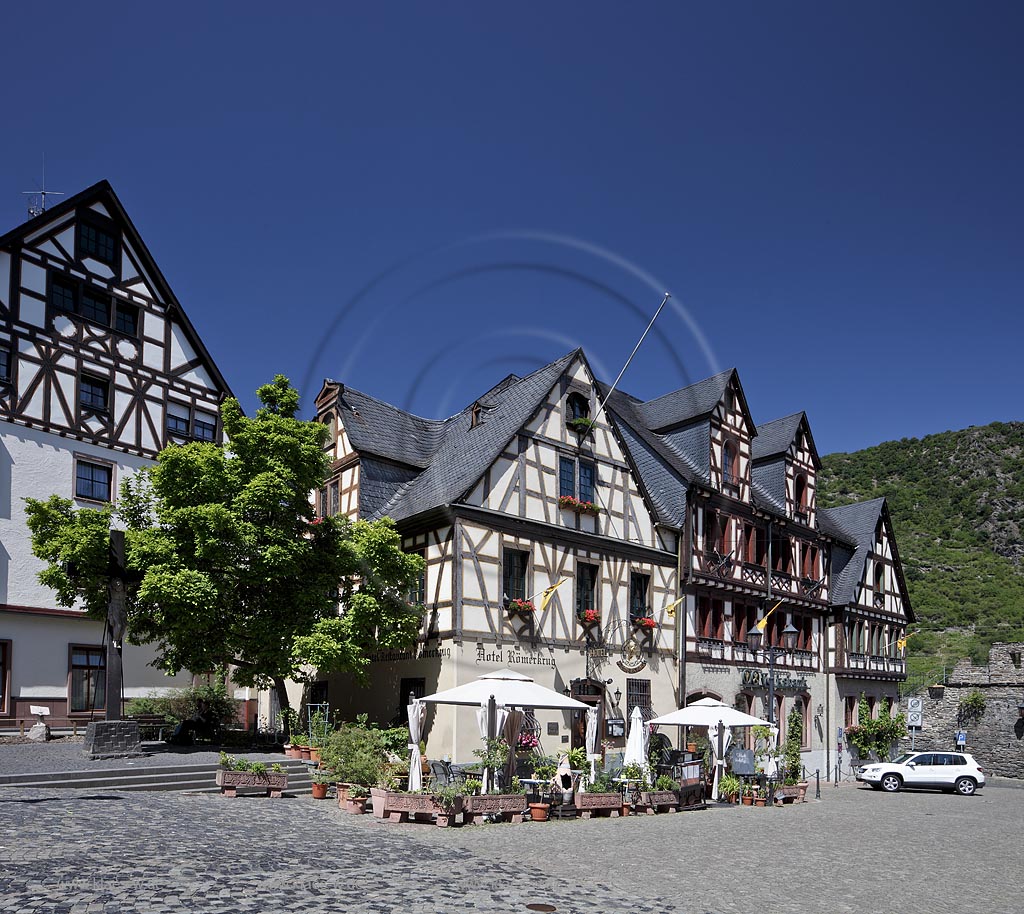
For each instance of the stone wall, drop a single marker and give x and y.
(995, 737)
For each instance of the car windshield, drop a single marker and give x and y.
(906, 757)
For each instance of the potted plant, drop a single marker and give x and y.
(748, 794)
(645, 623)
(544, 769)
(729, 787)
(520, 607)
(355, 802)
(321, 781)
(449, 801)
(580, 425)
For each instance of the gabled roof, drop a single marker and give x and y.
(102, 192)
(855, 525)
(776, 437)
(464, 452)
(376, 427)
(689, 403)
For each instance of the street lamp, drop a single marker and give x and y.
(789, 636)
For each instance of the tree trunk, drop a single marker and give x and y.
(282, 699)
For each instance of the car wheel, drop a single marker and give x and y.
(965, 786)
(891, 783)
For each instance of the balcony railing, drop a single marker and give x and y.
(872, 663)
(714, 562)
(753, 574)
(711, 647)
(782, 582)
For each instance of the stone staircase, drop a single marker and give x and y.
(191, 778)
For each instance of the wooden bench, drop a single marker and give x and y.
(150, 724)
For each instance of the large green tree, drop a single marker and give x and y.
(229, 565)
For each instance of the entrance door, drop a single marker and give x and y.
(591, 693)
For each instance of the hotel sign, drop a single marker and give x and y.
(758, 679)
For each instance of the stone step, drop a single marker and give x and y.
(184, 777)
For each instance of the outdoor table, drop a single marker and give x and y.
(632, 791)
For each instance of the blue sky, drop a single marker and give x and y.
(419, 199)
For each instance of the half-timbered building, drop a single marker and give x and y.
(100, 368)
(671, 527)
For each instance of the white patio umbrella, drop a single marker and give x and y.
(507, 689)
(636, 742)
(417, 713)
(717, 717)
(707, 712)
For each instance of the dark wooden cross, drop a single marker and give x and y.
(117, 617)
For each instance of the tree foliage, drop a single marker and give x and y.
(230, 564)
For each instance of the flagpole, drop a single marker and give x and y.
(611, 389)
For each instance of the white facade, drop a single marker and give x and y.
(100, 370)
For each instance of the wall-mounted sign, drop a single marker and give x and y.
(421, 653)
(632, 659)
(615, 727)
(513, 657)
(552, 728)
(757, 679)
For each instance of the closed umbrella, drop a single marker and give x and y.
(417, 713)
(592, 750)
(720, 737)
(636, 742)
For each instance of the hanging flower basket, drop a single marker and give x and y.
(580, 425)
(580, 507)
(520, 606)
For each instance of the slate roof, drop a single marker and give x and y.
(462, 454)
(775, 437)
(856, 525)
(687, 403)
(376, 427)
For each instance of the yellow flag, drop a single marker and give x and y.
(901, 643)
(763, 623)
(670, 610)
(549, 593)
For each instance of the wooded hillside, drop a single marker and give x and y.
(957, 503)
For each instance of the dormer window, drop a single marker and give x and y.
(577, 406)
(474, 414)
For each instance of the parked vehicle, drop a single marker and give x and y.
(954, 771)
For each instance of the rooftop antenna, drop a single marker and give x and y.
(37, 198)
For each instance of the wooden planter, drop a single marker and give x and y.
(399, 807)
(510, 806)
(691, 792)
(229, 781)
(652, 801)
(599, 804)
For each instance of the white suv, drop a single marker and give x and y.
(945, 770)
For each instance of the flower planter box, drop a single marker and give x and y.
(599, 804)
(272, 782)
(399, 807)
(509, 806)
(654, 801)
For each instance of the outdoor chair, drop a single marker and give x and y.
(441, 774)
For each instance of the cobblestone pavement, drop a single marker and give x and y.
(854, 851)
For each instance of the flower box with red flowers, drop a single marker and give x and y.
(646, 623)
(590, 617)
(519, 606)
(580, 507)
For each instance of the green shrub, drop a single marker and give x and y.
(183, 704)
(664, 782)
(355, 754)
